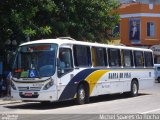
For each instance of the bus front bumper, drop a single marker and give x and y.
(34, 95)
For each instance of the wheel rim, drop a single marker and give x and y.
(81, 94)
(134, 88)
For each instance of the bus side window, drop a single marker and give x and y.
(139, 58)
(65, 61)
(114, 57)
(148, 59)
(82, 56)
(127, 60)
(98, 53)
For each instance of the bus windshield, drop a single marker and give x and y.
(35, 61)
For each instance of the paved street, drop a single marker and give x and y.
(148, 102)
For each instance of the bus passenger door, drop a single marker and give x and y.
(65, 72)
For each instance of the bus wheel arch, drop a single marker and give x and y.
(82, 93)
(134, 87)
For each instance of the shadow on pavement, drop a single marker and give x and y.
(69, 103)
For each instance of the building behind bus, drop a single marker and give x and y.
(139, 24)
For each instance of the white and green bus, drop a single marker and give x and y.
(63, 68)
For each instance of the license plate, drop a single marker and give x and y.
(28, 94)
(37, 85)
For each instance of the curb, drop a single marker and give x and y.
(4, 101)
(9, 102)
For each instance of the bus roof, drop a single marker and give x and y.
(67, 40)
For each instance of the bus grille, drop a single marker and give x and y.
(29, 88)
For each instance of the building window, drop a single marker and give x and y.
(150, 29)
(151, 6)
(116, 31)
(134, 30)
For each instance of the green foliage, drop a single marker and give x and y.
(29, 32)
(81, 19)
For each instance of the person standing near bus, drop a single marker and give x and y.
(8, 84)
(1, 83)
(2, 86)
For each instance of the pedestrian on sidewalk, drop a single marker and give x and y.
(8, 82)
(4, 86)
(1, 86)
(7, 77)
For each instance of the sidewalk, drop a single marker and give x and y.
(8, 100)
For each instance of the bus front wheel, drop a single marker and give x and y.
(134, 88)
(82, 96)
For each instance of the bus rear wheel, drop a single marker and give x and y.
(82, 96)
(134, 88)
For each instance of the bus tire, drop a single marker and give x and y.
(158, 79)
(134, 88)
(82, 96)
(45, 102)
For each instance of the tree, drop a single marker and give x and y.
(25, 18)
(86, 19)
(81, 19)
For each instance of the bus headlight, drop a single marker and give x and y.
(48, 85)
(13, 86)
